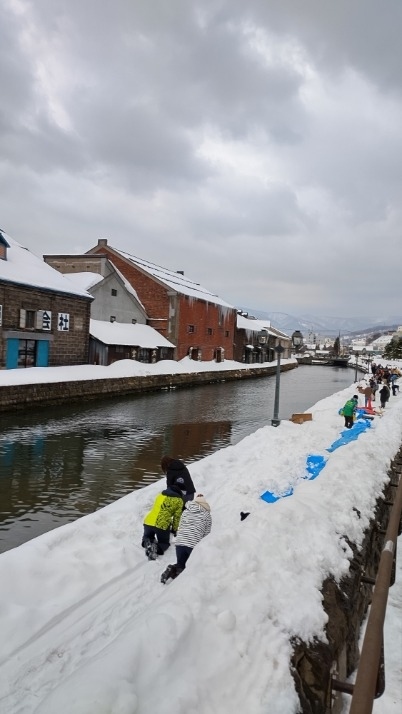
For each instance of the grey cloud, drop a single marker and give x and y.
(16, 77)
(142, 85)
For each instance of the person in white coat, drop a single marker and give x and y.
(195, 524)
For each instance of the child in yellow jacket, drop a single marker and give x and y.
(161, 520)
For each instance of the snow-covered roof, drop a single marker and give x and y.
(119, 333)
(245, 323)
(130, 288)
(85, 280)
(25, 268)
(175, 281)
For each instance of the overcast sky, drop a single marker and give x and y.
(255, 145)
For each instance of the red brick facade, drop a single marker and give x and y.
(175, 315)
(214, 328)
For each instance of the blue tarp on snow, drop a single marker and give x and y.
(315, 463)
(348, 435)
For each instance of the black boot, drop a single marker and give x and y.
(170, 572)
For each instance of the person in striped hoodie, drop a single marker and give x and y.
(195, 524)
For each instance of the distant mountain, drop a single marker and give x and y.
(327, 326)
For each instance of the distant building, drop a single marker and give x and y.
(199, 323)
(112, 341)
(380, 343)
(255, 341)
(115, 299)
(44, 318)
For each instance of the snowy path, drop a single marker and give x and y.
(78, 633)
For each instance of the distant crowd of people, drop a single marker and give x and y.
(383, 380)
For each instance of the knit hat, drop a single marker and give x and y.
(202, 502)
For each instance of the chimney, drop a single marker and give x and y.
(181, 272)
(102, 242)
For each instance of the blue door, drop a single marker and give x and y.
(12, 353)
(42, 353)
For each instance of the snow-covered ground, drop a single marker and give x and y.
(87, 628)
(122, 368)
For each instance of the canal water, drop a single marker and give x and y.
(58, 464)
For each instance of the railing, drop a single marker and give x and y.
(370, 681)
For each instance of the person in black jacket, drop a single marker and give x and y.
(177, 474)
(384, 395)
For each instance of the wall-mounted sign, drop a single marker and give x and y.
(63, 322)
(46, 319)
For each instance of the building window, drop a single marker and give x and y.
(143, 354)
(36, 319)
(210, 331)
(26, 353)
(191, 329)
(227, 333)
(113, 292)
(30, 318)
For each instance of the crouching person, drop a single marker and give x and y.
(195, 524)
(163, 518)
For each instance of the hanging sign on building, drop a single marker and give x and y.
(63, 322)
(46, 319)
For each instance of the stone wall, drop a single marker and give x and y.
(314, 666)
(37, 395)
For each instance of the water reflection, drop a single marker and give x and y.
(57, 464)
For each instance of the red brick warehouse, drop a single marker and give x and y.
(198, 322)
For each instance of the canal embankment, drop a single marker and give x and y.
(63, 461)
(48, 393)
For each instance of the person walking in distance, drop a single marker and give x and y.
(374, 387)
(368, 395)
(384, 395)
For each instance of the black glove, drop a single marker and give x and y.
(174, 533)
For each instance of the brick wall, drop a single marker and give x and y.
(65, 348)
(184, 311)
(205, 318)
(152, 295)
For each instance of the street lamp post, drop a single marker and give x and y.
(356, 359)
(297, 340)
(278, 349)
(364, 352)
